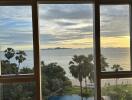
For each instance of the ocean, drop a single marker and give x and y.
(119, 56)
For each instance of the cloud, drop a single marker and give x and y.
(16, 39)
(112, 11)
(115, 42)
(115, 20)
(71, 12)
(62, 25)
(65, 25)
(15, 26)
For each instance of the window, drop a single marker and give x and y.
(115, 37)
(101, 36)
(116, 89)
(115, 31)
(17, 79)
(16, 40)
(66, 36)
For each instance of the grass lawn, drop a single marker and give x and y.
(72, 90)
(76, 90)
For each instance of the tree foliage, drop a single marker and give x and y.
(116, 67)
(54, 80)
(104, 64)
(79, 68)
(82, 67)
(9, 53)
(8, 68)
(20, 57)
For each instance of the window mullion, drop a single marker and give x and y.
(115, 1)
(130, 9)
(121, 74)
(37, 68)
(97, 49)
(15, 79)
(64, 1)
(15, 2)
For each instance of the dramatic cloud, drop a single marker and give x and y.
(64, 25)
(115, 20)
(16, 27)
(71, 12)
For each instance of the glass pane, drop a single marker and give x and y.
(117, 89)
(17, 91)
(115, 38)
(66, 41)
(16, 43)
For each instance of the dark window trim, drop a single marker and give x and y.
(29, 2)
(17, 78)
(37, 75)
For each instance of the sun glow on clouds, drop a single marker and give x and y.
(115, 42)
(106, 42)
(76, 43)
(69, 28)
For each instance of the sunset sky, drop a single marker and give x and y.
(68, 26)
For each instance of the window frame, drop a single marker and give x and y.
(37, 69)
(15, 78)
(120, 74)
(36, 77)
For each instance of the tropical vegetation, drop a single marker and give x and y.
(54, 79)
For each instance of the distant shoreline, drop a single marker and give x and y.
(61, 48)
(57, 48)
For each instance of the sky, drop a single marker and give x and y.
(67, 26)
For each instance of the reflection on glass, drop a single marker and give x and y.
(16, 45)
(17, 91)
(117, 89)
(66, 40)
(115, 37)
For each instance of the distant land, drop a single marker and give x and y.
(85, 48)
(55, 48)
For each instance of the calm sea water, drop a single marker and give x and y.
(63, 56)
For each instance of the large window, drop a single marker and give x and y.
(115, 37)
(84, 51)
(16, 40)
(66, 43)
(115, 40)
(17, 80)
(116, 89)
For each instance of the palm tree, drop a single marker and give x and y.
(116, 68)
(76, 69)
(104, 64)
(20, 57)
(83, 67)
(9, 53)
(88, 69)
